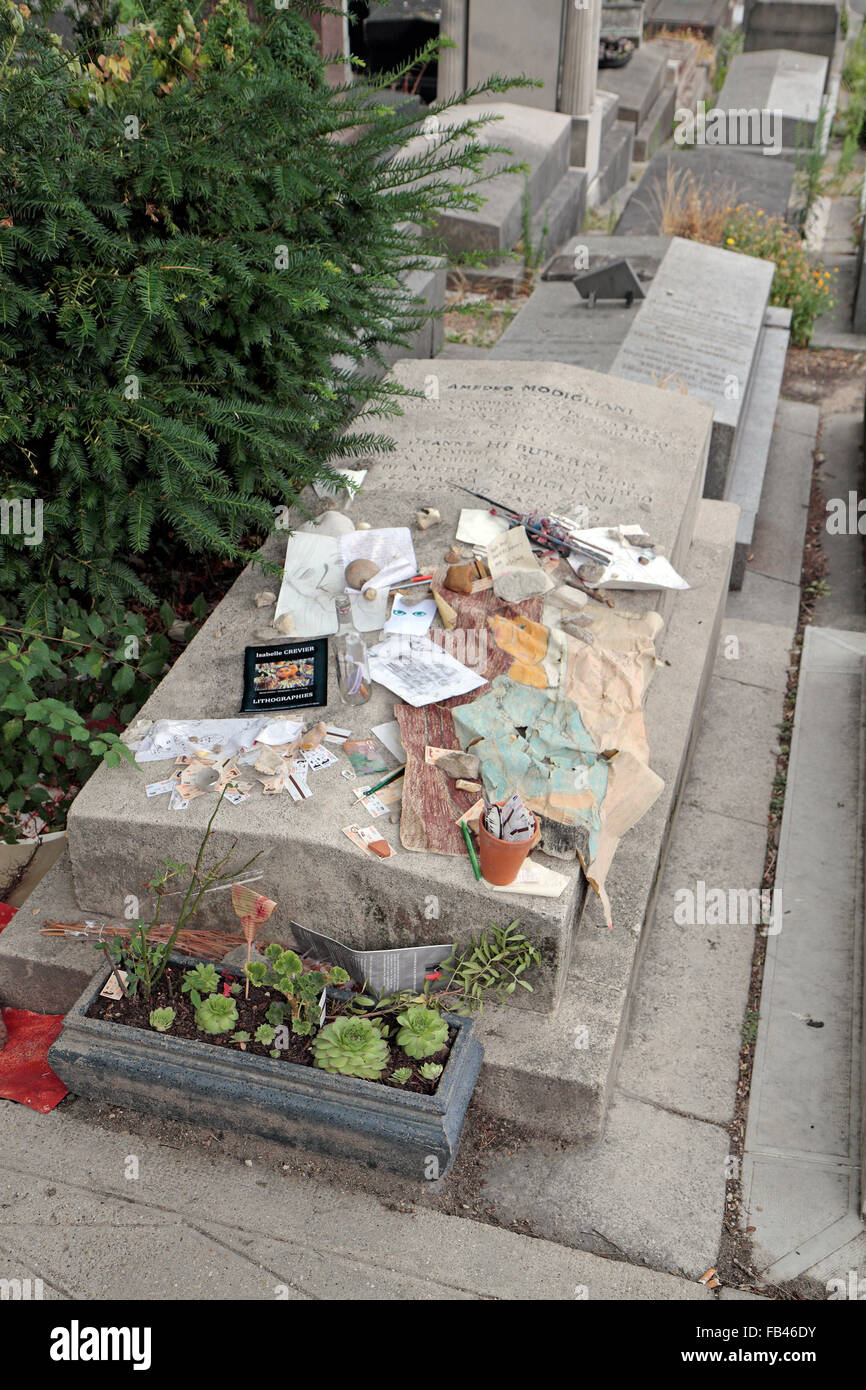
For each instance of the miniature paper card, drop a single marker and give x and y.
(413, 618)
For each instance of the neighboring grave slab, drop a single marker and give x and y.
(533, 434)
(772, 81)
(698, 331)
(556, 325)
(539, 139)
(637, 85)
(733, 176)
(705, 16)
(809, 26)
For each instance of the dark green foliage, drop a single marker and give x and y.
(192, 228)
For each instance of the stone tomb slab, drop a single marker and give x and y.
(734, 176)
(698, 332)
(555, 324)
(532, 434)
(774, 80)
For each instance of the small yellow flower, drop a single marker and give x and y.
(731, 241)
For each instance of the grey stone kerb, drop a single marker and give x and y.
(536, 434)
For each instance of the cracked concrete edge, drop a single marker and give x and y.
(270, 1221)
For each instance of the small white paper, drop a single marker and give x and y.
(235, 797)
(412, 618)
(280, 731)
(625, 570)
(178, 802)
(318, 757)
(371, 802)
(419, 672)
(478, 527)
(161, 788)
(389, 735)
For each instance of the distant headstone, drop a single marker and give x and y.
(809, 26)
(703, 16)
(617, 280)
(698, 333)
(764, 85)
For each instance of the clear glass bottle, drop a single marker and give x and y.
(353, 668)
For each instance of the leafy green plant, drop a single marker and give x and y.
(202, 978)
(64, 699)
(491, 966)
(430, 1071)
(401, 1075)
(421, 1032)
(144, 959)
(194, 228)
(729, 42)
(265, 1034)
(283, 970)
(351, 1046)
(162, 1019)
(241, 1036)
(799, 284)
(216, 1014)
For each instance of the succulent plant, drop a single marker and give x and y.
(422, 1032)
(265, 1034)
(241, 1036)
(202, 978)
(216, 1014)
(430, 1071)
(351, 1046)
(401, 1075)
(161, 1019)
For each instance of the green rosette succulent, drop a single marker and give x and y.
(216, 1014)
(422, 1032)
(351, 1046)
(161, 1019)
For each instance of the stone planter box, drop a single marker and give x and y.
(380, 1126)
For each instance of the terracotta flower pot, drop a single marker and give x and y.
(502, 860)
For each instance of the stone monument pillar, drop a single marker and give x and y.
(578, 82)
(452, 61)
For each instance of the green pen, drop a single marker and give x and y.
(476, 867)
(392, 777)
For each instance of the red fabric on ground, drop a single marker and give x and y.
(6, 914)
(25, 1075)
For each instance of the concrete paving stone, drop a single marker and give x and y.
(803, 1212)
(850, 1256)
(812, 972)
(683, 1040)
(235, 1230)
(780, 526)
(13, 1267)
(843, 605)
(736, 785)
(835, 329)
(154, 1262)
(754, 653)
(762, 599)
(652, 1190)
